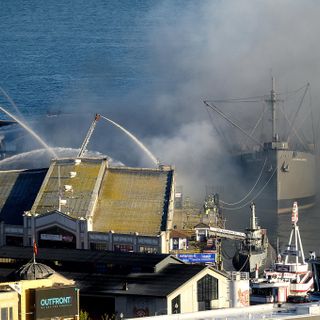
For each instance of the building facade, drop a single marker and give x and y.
(9, 304)
(85, 204)
(59, 230)
(36, 292)
(206, 289)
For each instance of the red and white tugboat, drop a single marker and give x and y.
(288, 276)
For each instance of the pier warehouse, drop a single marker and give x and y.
(97, 225)
(86, 204)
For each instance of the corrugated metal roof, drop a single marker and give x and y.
(74, 182)
(18, 191)
(132, 200)
(121, 199)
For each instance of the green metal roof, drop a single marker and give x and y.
(132, 200)
(121, 199)
(64, 174)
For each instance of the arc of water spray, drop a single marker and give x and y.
(23, 125)
(10, 100)
(135, 139)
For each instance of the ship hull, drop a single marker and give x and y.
(247, 262)
(285, 176)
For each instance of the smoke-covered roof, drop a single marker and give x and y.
(71, 182)
(119, 199)
(133, 200)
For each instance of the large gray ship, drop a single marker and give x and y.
(281, 170)
(288, 175)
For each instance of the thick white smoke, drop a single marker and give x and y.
(216, 49)
(194, 50)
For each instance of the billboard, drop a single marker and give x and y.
(56, 302)
(197, 257)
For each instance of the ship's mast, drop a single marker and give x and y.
(253, 222)
(273, 101)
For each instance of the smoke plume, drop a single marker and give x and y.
(174, 55)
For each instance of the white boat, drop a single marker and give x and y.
(288, 276)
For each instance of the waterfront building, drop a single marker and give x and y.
(178, 240)
(137, 283)
(170, 289)
(107, 228)
(86, 204)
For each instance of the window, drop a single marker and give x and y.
(207, 289)
(98, 246)
(14, 241)
(123, 248)
(4, 314)
(145, 249)
(207, 305)
(175, 304)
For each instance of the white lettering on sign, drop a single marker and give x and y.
(52, 237)
(58, 301)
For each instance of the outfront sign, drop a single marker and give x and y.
(56, 302)
(197, 257)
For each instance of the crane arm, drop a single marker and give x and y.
(88, 136)
(228, 234)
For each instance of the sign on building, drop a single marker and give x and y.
(56, 302)
(197, 257)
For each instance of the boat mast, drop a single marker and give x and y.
(273, 101)
(295, 249)
(253, 222)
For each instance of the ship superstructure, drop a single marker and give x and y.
(255, 251)
(287, 173)
(280, 169)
